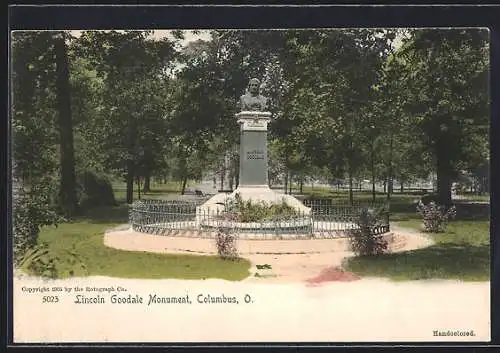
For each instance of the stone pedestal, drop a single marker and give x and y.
(253, 149)
(253, 178)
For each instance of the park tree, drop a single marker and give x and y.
(332, 75)
(36, 137)
(132, 121)
(42, 115)
(448, 102)
(197, 108)
(34, 132)
(67, 190)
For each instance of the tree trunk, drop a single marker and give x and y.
(301, 184)
(138, 187)
(237, 173)
(372, 167)
(290, 183)
(130, 184)
(147, 182)
(222, 180)
(374, 193)
(286, 182)
(351, 196)
(389, 169)
(67, 191)
(222, 173)
(231, 178)
(184, 182)
(444, 177)
(401, 189)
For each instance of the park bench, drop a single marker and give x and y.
(199, 192)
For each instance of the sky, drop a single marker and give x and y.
(189, 36)
(158, 34)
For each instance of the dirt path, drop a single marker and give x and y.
(290, 260)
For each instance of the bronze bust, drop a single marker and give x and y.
(252, 100)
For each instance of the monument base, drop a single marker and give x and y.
(257, 193)
(254, 193)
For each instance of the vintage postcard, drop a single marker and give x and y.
(295, 185)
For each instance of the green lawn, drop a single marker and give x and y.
(473, 197)
(462, 252)
(358, 195)
(158, 191)
(80, 250)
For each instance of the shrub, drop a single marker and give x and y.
(39, 260)
(95, 190)
(428, 198)
(435, 216)
(364, 240)
(247, 211)
(30, 213)
(226, 243)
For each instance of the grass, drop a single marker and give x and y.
(158, 191)
(462, 252)
(358, 195)
(80, 250)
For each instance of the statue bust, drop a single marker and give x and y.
(252, 100)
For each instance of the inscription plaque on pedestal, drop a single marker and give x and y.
(253, 158)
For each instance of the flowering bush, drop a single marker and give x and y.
(225, 241)
(364, 240)
(435, 216)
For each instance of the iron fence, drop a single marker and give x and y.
(326, 220)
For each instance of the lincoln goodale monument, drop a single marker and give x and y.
(253, 185)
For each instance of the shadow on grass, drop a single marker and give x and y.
(440, 261)
(161, 191)
(473, 211)
(106, 214)
(465, 211)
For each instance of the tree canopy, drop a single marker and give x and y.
(350, 104)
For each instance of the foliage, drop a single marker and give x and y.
(240, 210)
(447, 98)
(427, 198)
(41, 113)
(30, 213)
(95, 190)
(131, 127)
(38, 260)
(364, 240)
(435, 216)
(225, 241)
(34, 129)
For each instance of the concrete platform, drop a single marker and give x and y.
(255, 194)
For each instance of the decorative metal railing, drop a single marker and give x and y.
(326, 220)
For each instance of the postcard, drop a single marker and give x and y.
(229, 185)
